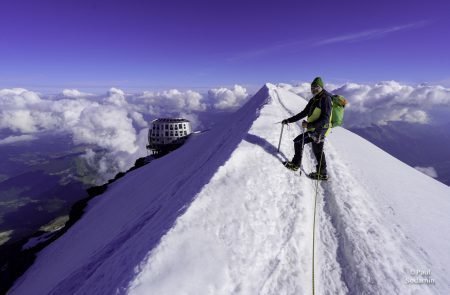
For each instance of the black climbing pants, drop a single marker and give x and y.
(317, 149)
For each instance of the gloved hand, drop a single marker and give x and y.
(305, 124)
(285, 122)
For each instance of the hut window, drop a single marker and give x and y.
(176, 133)
(171, 127)
(176, 127)
(171, 133)
(167, 126)
(180, 125)
(167, 133)
(185, 133)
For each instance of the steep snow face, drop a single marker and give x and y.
(99, 253)
(244, 222)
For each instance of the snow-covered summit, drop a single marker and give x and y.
(221, 215)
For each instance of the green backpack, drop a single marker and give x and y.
(337, 112)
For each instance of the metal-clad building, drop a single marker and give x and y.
(166, 134)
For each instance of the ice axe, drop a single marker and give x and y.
(281, 135)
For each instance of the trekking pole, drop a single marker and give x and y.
(281, 135)
(303, 146)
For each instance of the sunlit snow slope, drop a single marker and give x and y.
(221, 215)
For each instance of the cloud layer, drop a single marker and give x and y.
(224, 98)
(383, 102)
(115, 123)
(19, 138)
(75, 93)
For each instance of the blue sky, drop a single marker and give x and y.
(95, 45)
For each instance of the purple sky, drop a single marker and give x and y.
(159, 44)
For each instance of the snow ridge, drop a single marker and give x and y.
(233, 220)
(367, 251)
(357, 279)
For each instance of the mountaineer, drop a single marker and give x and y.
(318, 124)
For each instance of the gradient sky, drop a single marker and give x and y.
(137, 44)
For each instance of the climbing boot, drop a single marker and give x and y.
(291, 166)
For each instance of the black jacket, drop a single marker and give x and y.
(324, 103)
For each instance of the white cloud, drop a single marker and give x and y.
(173, 100)
(418, 116)
(107, 123)
(391, 101)
(224, 98)
(116, 97)
(138, 118)
(17, 98)
(384, 102)
(69, 111)
(107, 127)
(107, 164)
(116, 122)
(18, 138)
(74, 93)
(18, 120)
(430, 171)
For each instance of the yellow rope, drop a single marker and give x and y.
(314, 219)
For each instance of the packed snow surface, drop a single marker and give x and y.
(221, 215)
